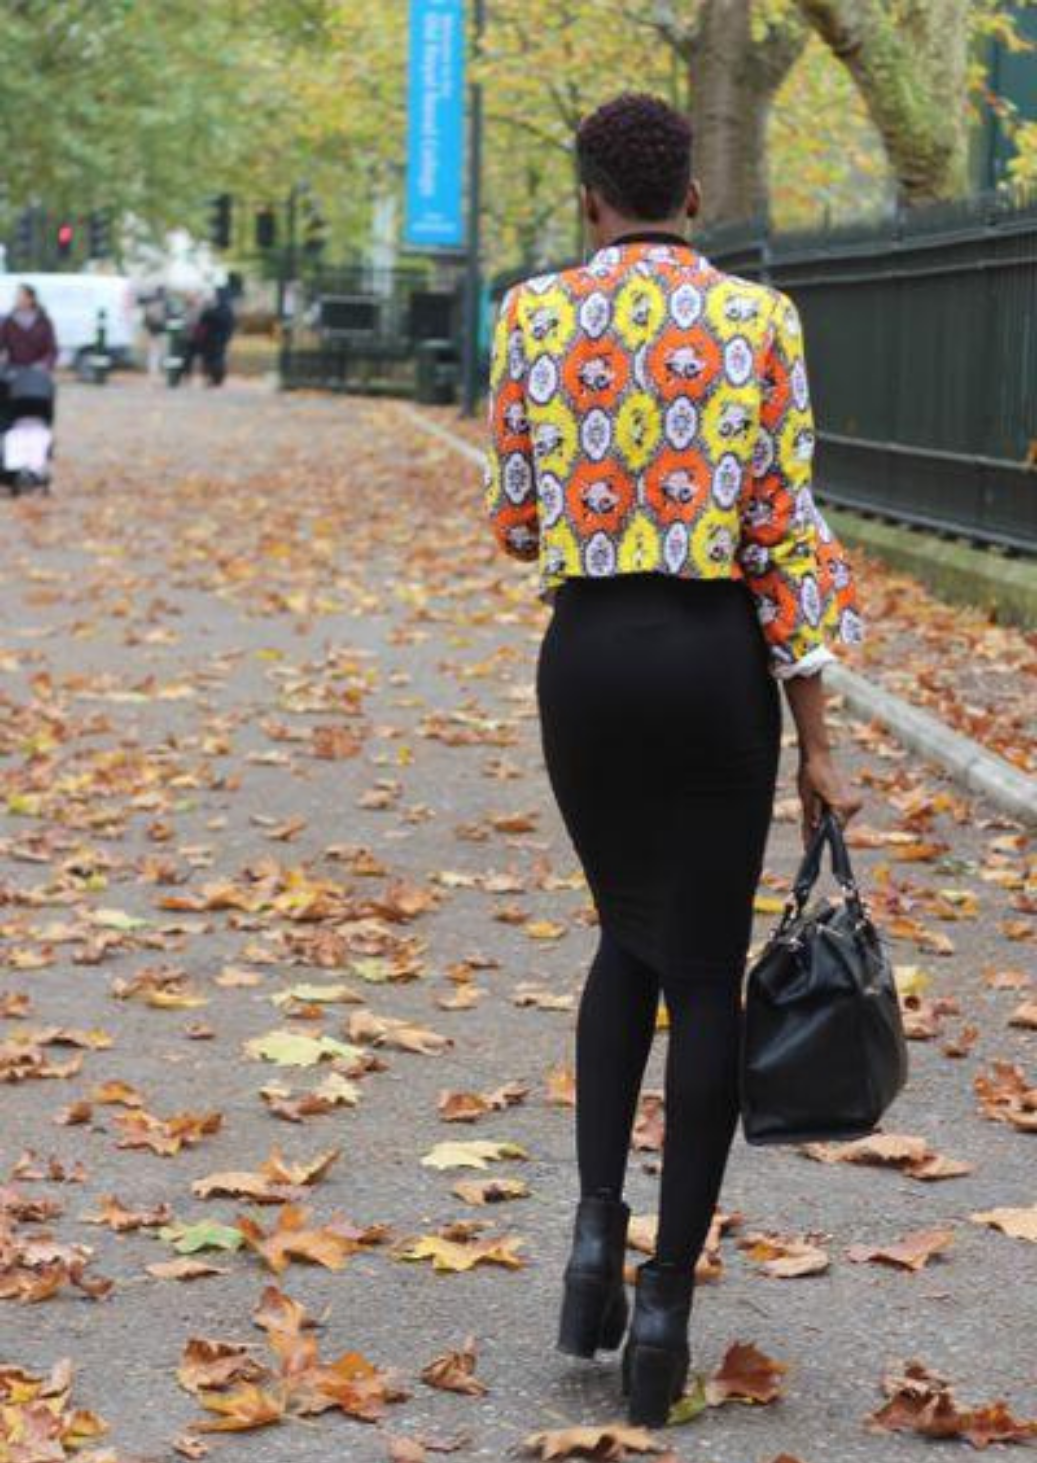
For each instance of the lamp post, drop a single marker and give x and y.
(473, 273)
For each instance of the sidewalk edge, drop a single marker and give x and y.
(980, 770)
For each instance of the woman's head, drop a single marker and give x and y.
(634, 157)
(26, 298)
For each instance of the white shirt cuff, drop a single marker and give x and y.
(815, 660)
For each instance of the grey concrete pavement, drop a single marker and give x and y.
(217, 575)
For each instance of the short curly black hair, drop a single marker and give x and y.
(635, 150)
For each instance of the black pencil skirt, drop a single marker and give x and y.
(661, 730)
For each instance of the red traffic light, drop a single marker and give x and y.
(66, 233)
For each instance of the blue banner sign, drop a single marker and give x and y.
(435, 124)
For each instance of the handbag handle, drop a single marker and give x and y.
(828, 832)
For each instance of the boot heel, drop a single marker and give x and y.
(593, 1316)
(614, 1325)
(655, 1379)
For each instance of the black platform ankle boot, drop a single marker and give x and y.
(594, 1305)
(656, 1357)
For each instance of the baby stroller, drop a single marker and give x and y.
(26, 435)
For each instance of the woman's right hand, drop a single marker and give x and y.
(821, 784)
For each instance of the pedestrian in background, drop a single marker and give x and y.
(156, 322)
(27, 335)
(651, 444)
(215, 331)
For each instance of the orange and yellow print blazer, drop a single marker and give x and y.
(648, 412)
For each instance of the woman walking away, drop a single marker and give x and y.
(651, 447)
(27, 336)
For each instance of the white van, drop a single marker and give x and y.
(73, 301)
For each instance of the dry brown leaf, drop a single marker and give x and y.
(185, 1267)
(291, 1239)
(365, 1027)
(745, 1375)
(458, 1255)
(1005, 1096)
(910, 1154)
(1018, 1223)
(243, 1410)
(913, 1252)
(405, 1450)
(1025, 1015)
(613, 1441)
(561, 1086)
(208, 1364)
(165, 1136)
(921, 1401)
(785, 1257)
(490, 1191)
(454, 1371)
(122, 1220)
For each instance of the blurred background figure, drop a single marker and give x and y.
(28, 355)
(26, 335)
(214, 332)
(156, 319)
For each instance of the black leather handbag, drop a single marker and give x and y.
(823, 1051)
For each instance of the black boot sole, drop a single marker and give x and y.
(594, 1316)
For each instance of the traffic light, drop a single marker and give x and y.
(266, 229)
(315, 230)
(25, 237)
(220, 210)
(66, 239)
(99, 234)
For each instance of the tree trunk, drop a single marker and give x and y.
(732, 80)
(911, 73)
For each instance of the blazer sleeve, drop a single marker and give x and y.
(797, 570)
(509, 480)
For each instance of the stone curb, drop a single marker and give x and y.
(980, 770)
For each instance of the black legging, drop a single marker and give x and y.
(614, 1030)
(661, 728)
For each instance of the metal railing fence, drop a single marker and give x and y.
(921, 336)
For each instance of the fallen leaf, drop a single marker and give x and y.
(612, 1441)
(454, 1371)
(291, 1049)
(921, 1401)
(490, 1191)
(913, 1252)
(745, 1375)
(1005, 1096)
(184, 1269)
(785, 1257)
(206, 1234)
(460, 1255)
(1018, 1223)
(243, 1410)
(475, 1153)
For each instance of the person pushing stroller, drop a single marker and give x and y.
(28, 355)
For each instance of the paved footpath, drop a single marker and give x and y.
(266, 726)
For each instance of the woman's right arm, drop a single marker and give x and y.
(779, 552)
(819, 781)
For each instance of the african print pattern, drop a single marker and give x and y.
(648, 412)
